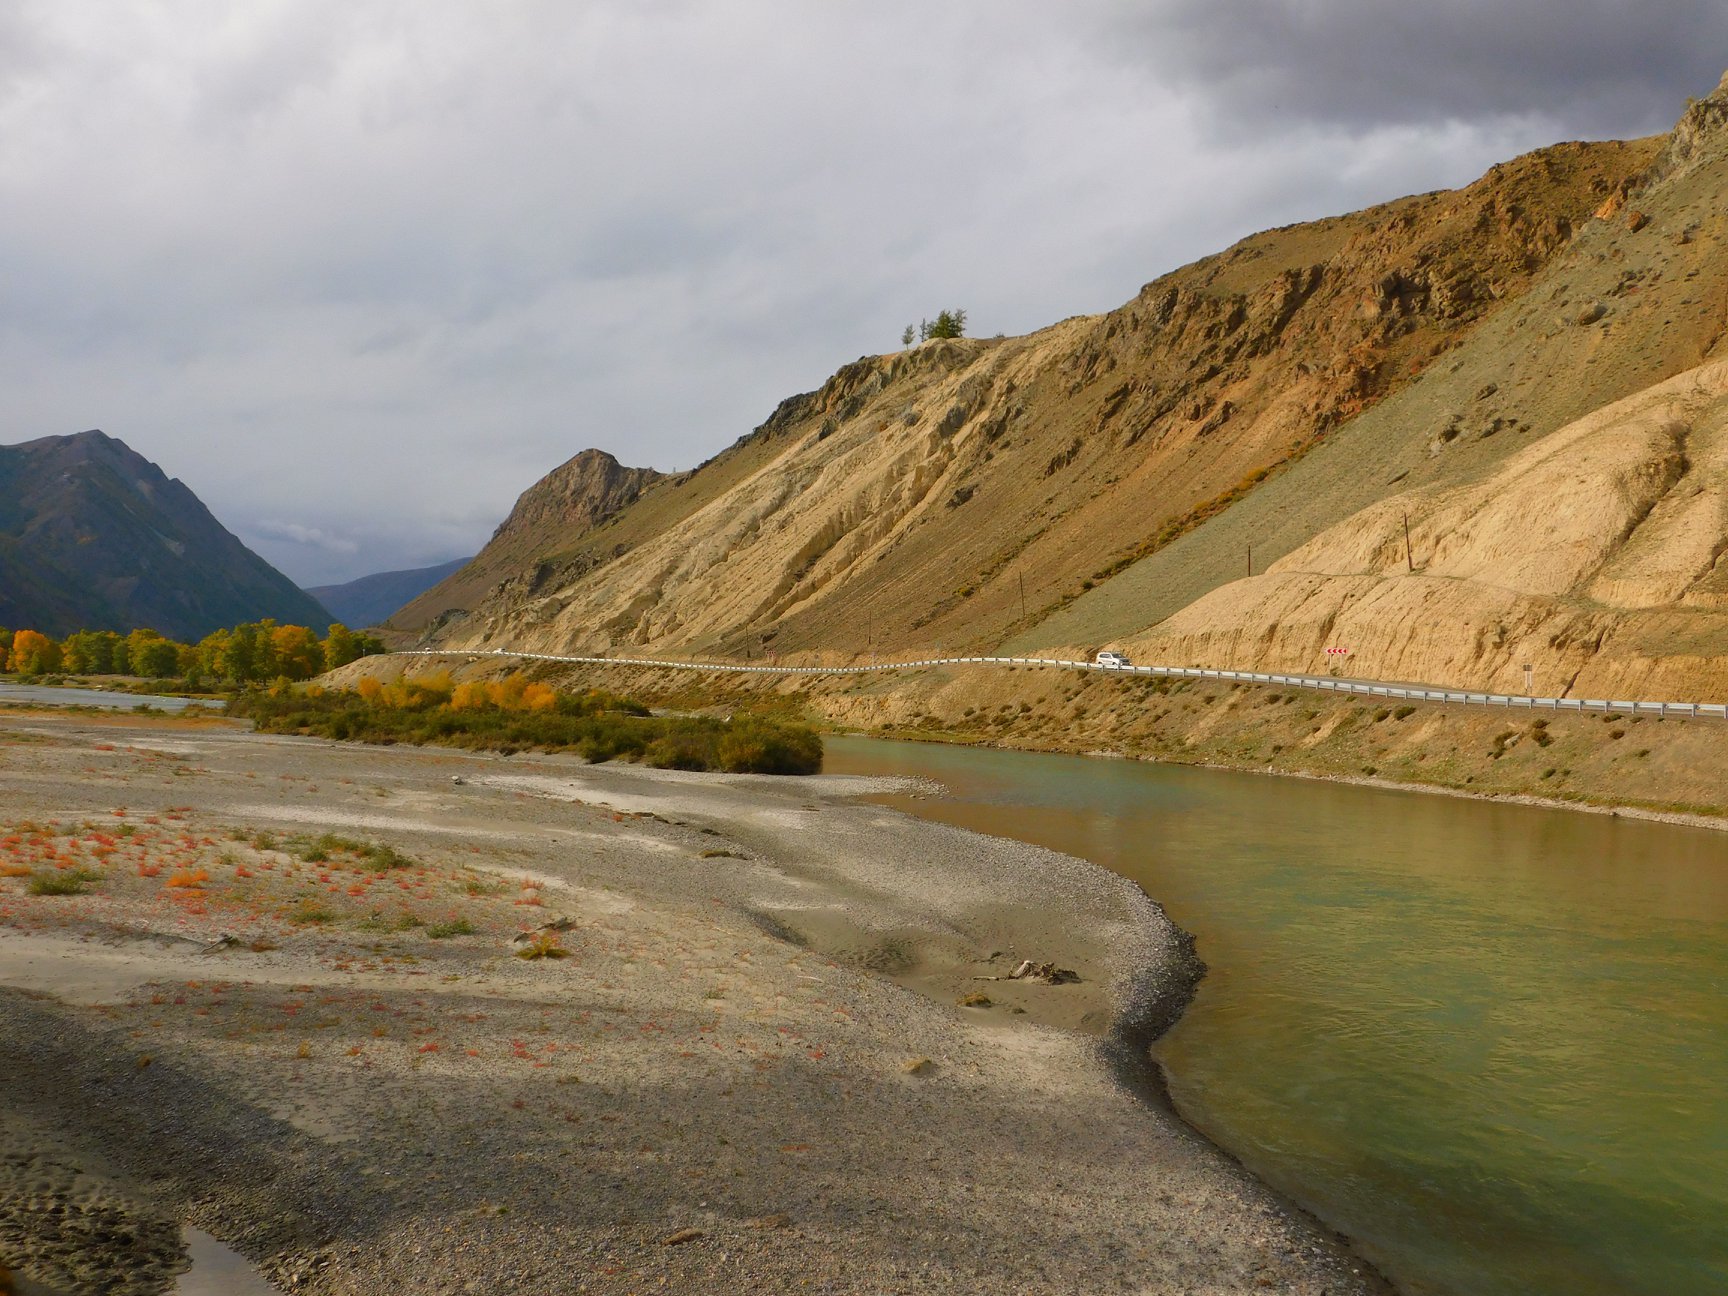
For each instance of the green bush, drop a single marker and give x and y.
(60, 882)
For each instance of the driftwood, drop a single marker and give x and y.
(558, 924)
(1048, 973)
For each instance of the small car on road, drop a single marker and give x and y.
(1113, 660)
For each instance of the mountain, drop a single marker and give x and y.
(1219, 470)
(95, 536)
(370, 599)
(542, 538)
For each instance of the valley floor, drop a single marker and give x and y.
(281, 1002)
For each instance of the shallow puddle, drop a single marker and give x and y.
(219, 1271)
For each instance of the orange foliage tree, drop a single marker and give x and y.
(33, 653)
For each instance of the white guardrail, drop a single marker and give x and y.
(1325, 683)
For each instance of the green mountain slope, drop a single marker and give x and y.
(95, 536)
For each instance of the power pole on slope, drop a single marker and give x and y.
(1022, 576)
(1409, 562)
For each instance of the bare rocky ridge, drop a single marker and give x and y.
(1638, 298)
(1531, 370)
(536, 538)
(952, 493)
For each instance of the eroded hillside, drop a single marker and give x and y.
(960, 491)
(1559, 470)
(1592, 554)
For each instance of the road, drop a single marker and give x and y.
(1324, 683)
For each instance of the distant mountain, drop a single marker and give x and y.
(368, 600)
(546, 533)
(95, 536)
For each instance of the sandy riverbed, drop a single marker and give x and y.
(749, 1072)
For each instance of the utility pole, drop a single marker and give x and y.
(1529, 686)
(1022, 576)
(1250, 560)
(1409, 562)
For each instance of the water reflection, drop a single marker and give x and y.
(1484, 1040)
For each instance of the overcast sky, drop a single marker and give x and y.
(360, 271)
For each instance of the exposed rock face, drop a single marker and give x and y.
(951, 493)
(552, 515)
(576, 496)
(1595, 555)
(1524, 366)
(94, 536)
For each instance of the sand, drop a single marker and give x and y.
(749, 1070)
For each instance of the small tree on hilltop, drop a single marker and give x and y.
(947, 324)
(909, 336)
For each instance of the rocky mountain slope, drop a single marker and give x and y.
(370, 599)
(95, 536)
(542, 535)
(1276, 408)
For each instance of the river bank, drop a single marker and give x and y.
(1662, 768)
(1481, 1038)
(726, 1082)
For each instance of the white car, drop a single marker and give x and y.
(1113, 660)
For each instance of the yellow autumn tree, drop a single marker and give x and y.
(468, 697)
(299, 656)
(506, 694)
(33, 653)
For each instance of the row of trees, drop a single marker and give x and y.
(254, 652)
(947, 324)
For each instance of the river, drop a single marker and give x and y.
(54, 695)
(1487, 1042)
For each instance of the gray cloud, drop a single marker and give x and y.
(1600, 67)
(295, 533)
(376, 266)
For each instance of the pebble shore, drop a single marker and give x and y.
(748, 1070)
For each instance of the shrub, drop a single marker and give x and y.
(450, 927)
(545, 945)
(60, 882)
(515, 714)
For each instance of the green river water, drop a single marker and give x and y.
(1487, 1042)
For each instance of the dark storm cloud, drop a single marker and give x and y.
(1600, 67)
